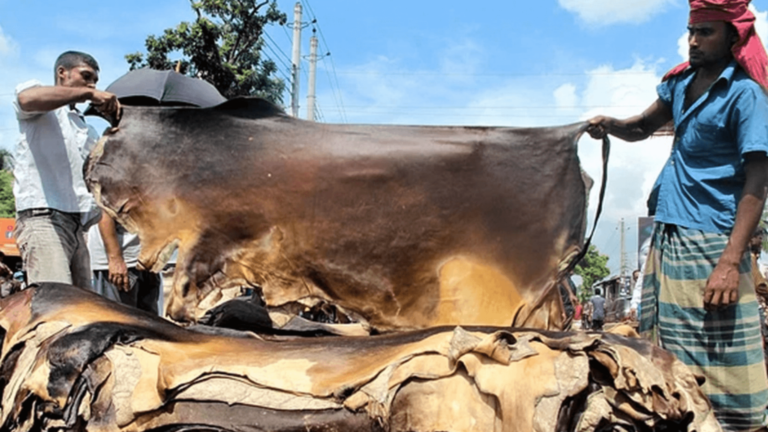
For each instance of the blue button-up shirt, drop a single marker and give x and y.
(701, 184)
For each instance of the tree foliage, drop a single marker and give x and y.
(222, 46)
(7, 201)
(592, 268)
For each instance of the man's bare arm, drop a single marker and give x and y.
(48, 98)
(118, 271)
(635, 128)
(723, 284)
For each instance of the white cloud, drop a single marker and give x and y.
(565, 96)
(607, 12)
(7, 45)
(682, 46)
(761, 23)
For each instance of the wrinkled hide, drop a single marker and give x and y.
(72, 360)
(409, 226)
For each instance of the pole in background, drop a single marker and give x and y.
(296, 60)
(623, 270)
(312, 77)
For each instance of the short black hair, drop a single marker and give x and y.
(731, 32)
(72, 59)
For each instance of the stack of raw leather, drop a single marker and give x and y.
(74, 361)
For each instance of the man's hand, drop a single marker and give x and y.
(635, 128)
(722, 288)
(599, 127)
(118, 274)
(106, 103)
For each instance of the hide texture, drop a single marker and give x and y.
(74, 361)
(407, 226)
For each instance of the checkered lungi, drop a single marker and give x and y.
(724, 346)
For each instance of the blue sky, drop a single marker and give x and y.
(502, 63)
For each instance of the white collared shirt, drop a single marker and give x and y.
(50, 153)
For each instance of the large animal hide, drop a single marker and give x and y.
(409, 226)
(74, 361)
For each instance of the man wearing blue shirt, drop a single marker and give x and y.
(698, 295)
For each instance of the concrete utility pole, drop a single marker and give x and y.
(623, 270)
(312, 77)
(296, 60)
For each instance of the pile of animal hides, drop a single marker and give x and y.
(74, 361)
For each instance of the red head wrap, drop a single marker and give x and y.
(748, 51)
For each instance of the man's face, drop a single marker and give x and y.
(79, 76)
(709, 43)
(756, 243)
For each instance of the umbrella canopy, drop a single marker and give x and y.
(149, 87)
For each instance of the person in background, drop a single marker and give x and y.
(586, 316)
(114, 259)
(598, 310)
(761, 285)
(578, 311)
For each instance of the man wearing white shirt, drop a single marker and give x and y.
(114, 261)
(52, 201)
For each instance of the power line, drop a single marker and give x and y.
(282, 72)
(547, 107)
(319, 113)
(337, 93)
(460, 115)
(492, 74)
(276, 46)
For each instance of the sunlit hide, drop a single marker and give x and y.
(408, 226)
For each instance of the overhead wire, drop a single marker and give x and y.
(493, 74)
(272, 45)
(283, 73)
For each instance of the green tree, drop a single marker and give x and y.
(222, 46)
(591, 268)
(7, 201)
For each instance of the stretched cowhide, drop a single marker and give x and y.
(407, 226)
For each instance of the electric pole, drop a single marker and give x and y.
(312, 77)
(623, 253)
(296, 60)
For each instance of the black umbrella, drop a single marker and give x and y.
(153, 87)
(149, 87)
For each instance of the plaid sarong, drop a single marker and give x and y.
(724, 346)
